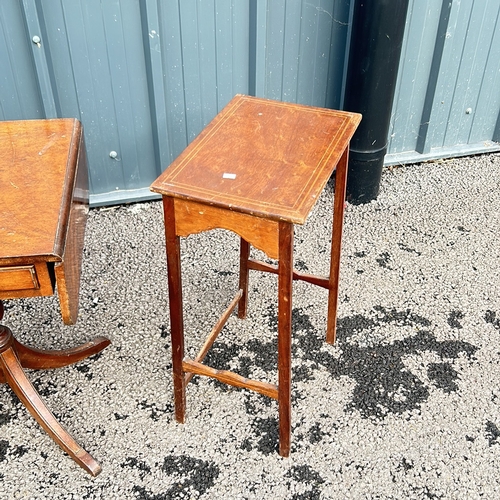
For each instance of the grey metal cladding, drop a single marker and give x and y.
(146, 76)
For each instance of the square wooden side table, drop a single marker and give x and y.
(257, 169)
(43, 212)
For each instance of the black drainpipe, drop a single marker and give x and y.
(376, 40)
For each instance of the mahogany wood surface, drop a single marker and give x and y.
(175, 303)
(231, 378)
(285, 279)
(215, 332)
(244, 268)
(261, 157)
(37, 163)
(338, 222)
(13, 373)
(258, 265)
(67, 272)
(43, 212)
(31, 280)
(256, 170)
(192, 218)
(44, 203)
(41, 359)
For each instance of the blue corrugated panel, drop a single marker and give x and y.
(300, 50)
(146, 76)
(448, 98)
(19, 92)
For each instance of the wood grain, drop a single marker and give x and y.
(285, 278)
(13, 374)
(258, 265)
(67, 272)
(338, 223)
(257, 169)
(43, 211)
(192, 218)
(175, 303)
(31, 280)
(231, 378)
(261, 157)
(41, 359)
(13, 278)
(43, 208)
(243, 278)
(34, 159)
(215, 332)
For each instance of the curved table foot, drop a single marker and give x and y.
(11, 371)
(39, 359)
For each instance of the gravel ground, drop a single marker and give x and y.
(404, 406)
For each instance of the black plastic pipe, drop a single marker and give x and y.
(375, 49)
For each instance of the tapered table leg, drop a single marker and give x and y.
(13, 374)
(244, 255)
(338, 222)
(285, 278)
(175, 302)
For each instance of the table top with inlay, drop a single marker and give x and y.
(261, 157)
(37, 169)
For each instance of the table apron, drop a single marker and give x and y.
(192, 217)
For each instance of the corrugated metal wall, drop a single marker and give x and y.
(145, 76)
(448, 97)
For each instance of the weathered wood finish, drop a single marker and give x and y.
(231, 378)
(175, 302)
(40, 359)
(37, 161)
(20, 278)
(67, 272)
(285, 278)
(43, 211)
(44, 186)
(12, 370)
(256, 170)
(30, 280)
(215, 332)
(338, 222)
(192, 218)
(244, 268)
(258, 265)
(265, 158)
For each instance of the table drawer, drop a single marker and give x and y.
(18, 278)
(25, 281)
